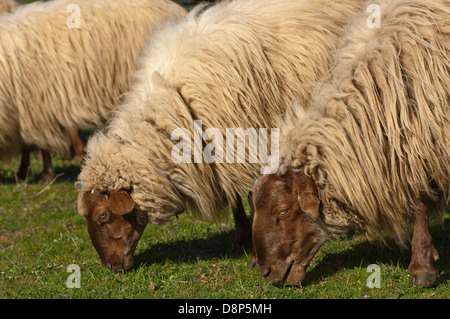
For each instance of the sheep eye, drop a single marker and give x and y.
(103, 216)
(284, 212)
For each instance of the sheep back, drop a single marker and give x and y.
(376, 135)
(237, 64)
(59, 75)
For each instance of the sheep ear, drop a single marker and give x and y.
(82, 210)
(309, 204)
(120, 202)
(307, 195)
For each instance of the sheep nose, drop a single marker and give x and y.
(111, 267)
(108, 265)
(265, 271)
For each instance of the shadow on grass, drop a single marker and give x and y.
(65, 173)
(362, 254)
(367, 253)
(65, 167)
(69, 173)
(218, 245)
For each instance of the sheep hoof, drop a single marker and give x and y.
(22, 174)
(47, 177)
(424, 280)
(21, 178)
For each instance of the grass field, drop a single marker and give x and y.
(41, 234)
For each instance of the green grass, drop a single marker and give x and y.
(41, 234)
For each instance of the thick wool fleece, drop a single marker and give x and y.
(236, 64)
(376, 136)
(56, 77)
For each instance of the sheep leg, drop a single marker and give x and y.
(243, 228)
(421, 268)
(25, 168)
(77, 146)
(47, 172)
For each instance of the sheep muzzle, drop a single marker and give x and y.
(113, 227)
(286, 234)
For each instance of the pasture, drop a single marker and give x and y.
(41, 234)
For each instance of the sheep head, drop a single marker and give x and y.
(113, 227)
(286, 234)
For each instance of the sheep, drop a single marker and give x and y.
(371, 152)
(77, 145)
(8, 6)
(234, 64)
(65, 64)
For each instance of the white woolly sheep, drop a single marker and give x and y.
(77, 145)
(65, 64)
(371, 152)
(232, 65)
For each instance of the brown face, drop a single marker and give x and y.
(112, 226)
(286, 234)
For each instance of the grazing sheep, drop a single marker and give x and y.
(232, 65)
(77, 145)
(65, 64)
(8, 6)
(371, 152)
